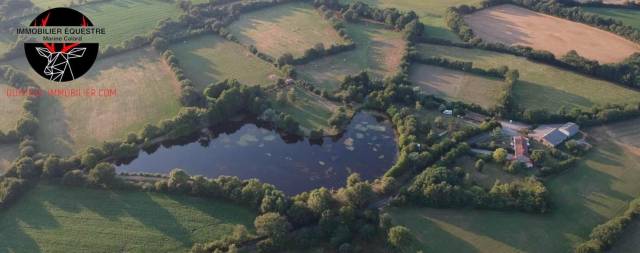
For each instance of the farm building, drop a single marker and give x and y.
(521, 150)
(570, 129)
(558, 135)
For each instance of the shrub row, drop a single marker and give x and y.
(604, 236)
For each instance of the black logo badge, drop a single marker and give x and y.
(61, 55)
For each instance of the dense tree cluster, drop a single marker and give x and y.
(10, 189)
(445, 187)
(603, 236)
(552, 161)
(389, 16)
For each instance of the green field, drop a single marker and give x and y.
(59, 219)
(10, 109)
(541, 86)
(146, 92)
(211, 59)
(123, 20)
(491, 172)
(289, 28)
(126, 19)
(431, 13)
(456, 85)
(308, 109)
(8, 153)
(598, 188)
(378, 51)
(628, 17)
(48, 4)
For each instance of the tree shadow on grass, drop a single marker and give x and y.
(53, 135)
(116, 205)
(528, 93)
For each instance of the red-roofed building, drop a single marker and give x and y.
(521, 150)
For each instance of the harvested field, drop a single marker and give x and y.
(10, 109)
(514, 25)
(378, 51)
(146, 93)
(211, 59)
(541, 86)
(457, 85)
(292, 28)
(8, 153)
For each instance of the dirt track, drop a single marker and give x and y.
(513, 25)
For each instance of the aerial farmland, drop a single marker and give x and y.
(320, 126)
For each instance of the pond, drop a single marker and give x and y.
(293, 165)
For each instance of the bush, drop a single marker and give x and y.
(399, 237)
(103, 174)
(74, 178)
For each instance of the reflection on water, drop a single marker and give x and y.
(292, 165)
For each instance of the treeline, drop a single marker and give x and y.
(189, 95)
(391, 17)
(630, 4)
(443, 187)
(319, 50)
(625, 73)
(605, 235)
(596, 115)
(320, 217)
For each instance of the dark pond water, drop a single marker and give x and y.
(250, 150)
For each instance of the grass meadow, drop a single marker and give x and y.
(125, 19)
(292, 28)
(52, 218)
(456, 85)
(596, 189)
(147, 92)
(310, 110)
(628, 17)
(10, 109)
(211, 59)
(431, 12)
(377, 51)
(8, 153)
(541, 86)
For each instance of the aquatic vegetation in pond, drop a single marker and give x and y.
(252, 150)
